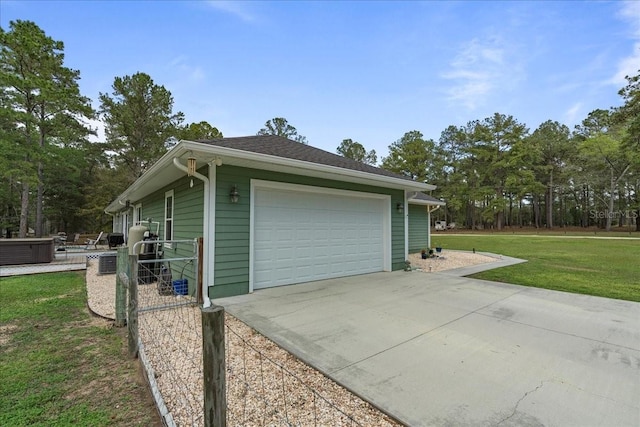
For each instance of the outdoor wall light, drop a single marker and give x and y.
(400, 208)
(234, 195)
(191, 166)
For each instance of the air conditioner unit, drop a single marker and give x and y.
(107, 264)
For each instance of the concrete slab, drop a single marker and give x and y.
(439, 349)
(61, 262)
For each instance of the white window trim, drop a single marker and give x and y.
(137, 214)
(168, 194)
(124, 222)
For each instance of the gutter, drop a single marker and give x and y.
(205, 231)
(331, 172)
(301, 164)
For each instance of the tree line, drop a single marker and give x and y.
(54, 178)
(491, 173)
(495, 172)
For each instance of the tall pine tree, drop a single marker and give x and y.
(41, 102)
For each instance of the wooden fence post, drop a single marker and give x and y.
(122, 282)
(132, 320)
(213, 352)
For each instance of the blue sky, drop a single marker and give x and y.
(369, 71)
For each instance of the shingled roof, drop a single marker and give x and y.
(279, 146)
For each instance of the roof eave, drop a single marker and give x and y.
(398, 183)
(426, 202)
(212, 151)
(165, 161)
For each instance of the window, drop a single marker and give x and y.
(125, 222)
(137, 214)
(168, 217)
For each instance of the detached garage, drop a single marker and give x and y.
(275, 212)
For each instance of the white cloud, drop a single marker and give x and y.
(236, 8)
(476, 71)
(630, 11)
(574, 113)
(188, 72)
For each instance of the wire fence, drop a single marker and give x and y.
(265, 385)
(165, 324)
(171, 341)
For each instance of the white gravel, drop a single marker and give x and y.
(448, 260)
(266, 385)
(101, 291)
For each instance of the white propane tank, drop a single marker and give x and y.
(136, 234)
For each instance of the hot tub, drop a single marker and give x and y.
(26, 251)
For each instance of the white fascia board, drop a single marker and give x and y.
(304, 167)
(163, 172)
(426, 202)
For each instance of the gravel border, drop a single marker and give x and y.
(448, 260)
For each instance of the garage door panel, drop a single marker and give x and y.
(303, 236)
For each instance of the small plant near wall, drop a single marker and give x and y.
(424, 253)
(438, 250)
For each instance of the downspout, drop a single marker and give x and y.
(429, 210)
(405, 210)
(112, 217)
(205, 231)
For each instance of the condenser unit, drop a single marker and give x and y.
(107, 264)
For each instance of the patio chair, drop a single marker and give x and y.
(95, 242)
(60, 242)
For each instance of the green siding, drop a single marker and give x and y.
(188, 216)
(231, 274)
(418, 228)
(233, 224)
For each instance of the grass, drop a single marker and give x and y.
(627, 231)
(62, 366)
(600, 267)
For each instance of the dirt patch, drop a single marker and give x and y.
(5, 333)
(113, 378)
(45, 299)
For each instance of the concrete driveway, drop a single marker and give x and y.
(438, 349)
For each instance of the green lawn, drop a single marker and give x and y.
(601, 267)
(59, 365)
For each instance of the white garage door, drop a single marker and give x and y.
(301, 236)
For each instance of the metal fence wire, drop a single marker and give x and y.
(264, 390)
(169, 330)
(265, 385)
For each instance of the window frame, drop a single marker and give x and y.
(137, 214)
(170, 220)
